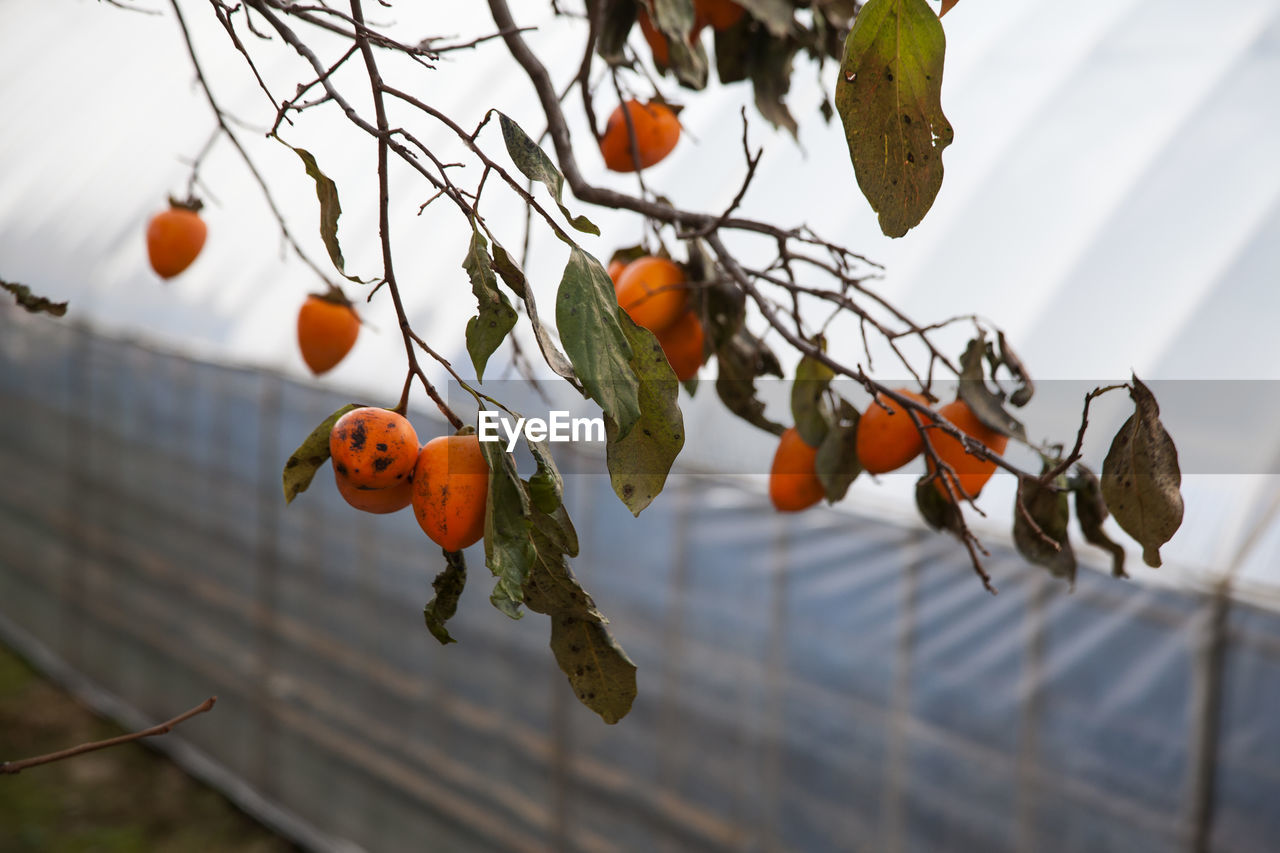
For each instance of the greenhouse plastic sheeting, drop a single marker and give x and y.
(810, 683)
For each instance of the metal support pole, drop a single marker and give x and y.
(1210, 652)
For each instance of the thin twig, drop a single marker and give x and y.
(12, 767)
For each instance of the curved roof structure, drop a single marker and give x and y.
(1108, 202)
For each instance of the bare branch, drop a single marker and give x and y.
(12, 767)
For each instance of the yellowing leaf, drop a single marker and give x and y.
(310, 455)
(889, 97)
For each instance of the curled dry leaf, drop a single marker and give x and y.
(1091, 512)
(1141, 481)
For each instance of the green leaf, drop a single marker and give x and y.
(330, 208)
(510, 272)
(496, 318)
(1050, 510)
(1091, 512)
(639, 460)
(514, 278)
(551, 586)
(986, 405)
(310, 455)
(535, 165)
(771, 66)
(889, 96)
(602, 676)
(777, 15)
(809, 408)
(837, 464)
(733, 51)
(557, 528)
(616, 19)
(33, 303)
(508, 547)
(588, 316)
(675, 19)
(1141, 481)
(599, 671)
(936, 510)
(546, 486)
(448, 586)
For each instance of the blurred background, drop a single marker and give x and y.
(837, 680)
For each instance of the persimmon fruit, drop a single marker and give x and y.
(793, 479)
(720, 14)
(887, 440)
(615, 268)
(174, 239)
(373, 448)
(657, 131)
(327, 330)
(652, 292)
(450, 487)
(684, 345)
(378, 501)
(973, 472)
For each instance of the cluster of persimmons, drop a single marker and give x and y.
(379, 468)
(888, 438)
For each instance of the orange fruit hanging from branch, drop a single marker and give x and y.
(175, 237)
(373, 448)
(450, 487)
(887, 440)
(327, 330)
(793, 479)
(652, 291)
(657, 131)
(377, 501)
(974, 472)
(684, 345)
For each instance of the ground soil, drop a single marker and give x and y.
(118, 800)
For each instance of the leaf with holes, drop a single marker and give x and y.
(1141, 481)
(889, 96)
(302, 465)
